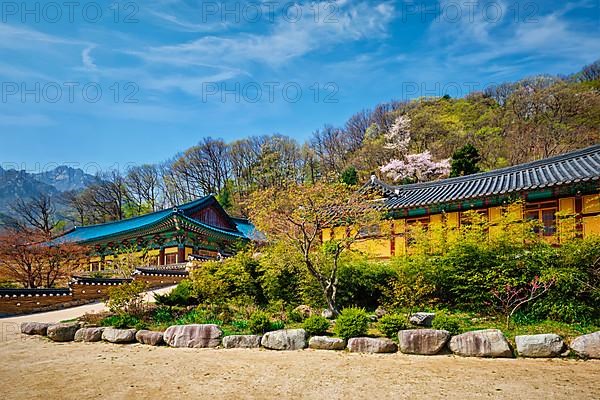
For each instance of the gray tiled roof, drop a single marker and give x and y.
(577, 166)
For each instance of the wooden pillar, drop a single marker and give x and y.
(578, 218)
(161, 256)
(181, 253)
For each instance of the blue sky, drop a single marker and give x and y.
(171, 72)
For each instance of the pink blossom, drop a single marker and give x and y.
(398, 138)
(417, 167)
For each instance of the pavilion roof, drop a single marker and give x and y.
(164, 219)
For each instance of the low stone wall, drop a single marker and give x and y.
(81, 290)
(13, 302)
(483, 343)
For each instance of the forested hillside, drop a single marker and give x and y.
(399, 141)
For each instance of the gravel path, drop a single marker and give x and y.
(35, 368)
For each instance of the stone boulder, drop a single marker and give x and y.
(327, 313)
(113, 335)
(196, 335)
(545, 345)
(422, 318)
(150, 338)
(587, 346)
(89, 335)
(371, 345)
(326, 343)
(422, 341)
(484, 343)
(63, 332)
(285, 339)
(242, 341)
(34, 328)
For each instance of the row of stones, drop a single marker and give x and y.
(483, 343)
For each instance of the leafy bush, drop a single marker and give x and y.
(182, 295)
(240, 326)
(362, 282)
(219, 282)
(295, 316)
(447, 323)
(162, 315)
(277, 325)
(199, 316)
(259, 323)
(191, 317)
(282, 278)
(121, 321)
(575, 295)
(127, 298)
(351, 322)
(391, 324)
(316, 325)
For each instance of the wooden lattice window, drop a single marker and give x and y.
(545, 214)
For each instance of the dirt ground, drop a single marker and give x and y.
(35, 368)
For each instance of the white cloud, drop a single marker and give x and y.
(285, 41)
(86, 58)
(180, 24)
(510, 45)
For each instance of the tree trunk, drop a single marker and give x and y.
(330, 297)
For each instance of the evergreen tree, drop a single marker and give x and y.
(464, 161)
(350, 176)
(224, 197)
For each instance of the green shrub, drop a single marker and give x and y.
(127, 298)
(259, 323)
(199, 316)
(316, 325)
(351, 322)
(162, 315)
(295, 316)
(219, 282)
(391, 324)
(284, 279)
(121, 321)
(191, 317)
(240, 326)
(141, 325)
(277, 325)
(362, 281)
(447, 323)
(182, 295)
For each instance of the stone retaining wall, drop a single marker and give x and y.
(482, 343)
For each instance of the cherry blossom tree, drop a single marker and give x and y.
(398, 138)
(416, 168)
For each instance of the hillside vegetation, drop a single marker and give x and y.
(409, 141)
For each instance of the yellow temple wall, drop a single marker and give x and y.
(392, 240)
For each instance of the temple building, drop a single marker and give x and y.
(567, 184)
(202, 229)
